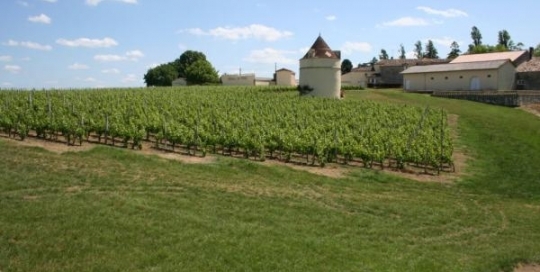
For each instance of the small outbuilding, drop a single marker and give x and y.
(466, 76)
(320, 70)
(285, 77)
(528, 75)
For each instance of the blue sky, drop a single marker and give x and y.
(112, 43)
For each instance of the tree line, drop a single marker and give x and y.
(191, 65)
(429, 51)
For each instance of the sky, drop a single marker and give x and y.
(112, 43)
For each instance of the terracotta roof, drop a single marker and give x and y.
(510, 55)
(362, 69)
(401, 62)
(320, 49)
(451, 67)
(532, 65)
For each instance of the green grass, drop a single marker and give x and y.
(115, 210)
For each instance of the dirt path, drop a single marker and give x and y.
(533, 108)
(527, 268)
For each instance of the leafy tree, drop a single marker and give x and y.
(454, 51)
(431, 51)
(504, 39)
(537, 51)
(402, 53)
(201, 72)
(346, 66)
(383, 55)
(476, 36)
(162, 75)
(373, 61)
(185, 60)
(418, 50)
(480, 49)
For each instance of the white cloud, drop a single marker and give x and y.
(255, 31)
(331, 17)
(407, 21)
(270, 55)
(6, 58)
(89, 79)
(7, 84)
(86, 42)
(133, 55)
(111, 71)
(449, 13)
(23, 3)
(42, 18)
(445, 41)
(50, 1)
(78, 66)
(31, 45)
(96, 2)
(130, 78)
(350, 47)
(13, 68)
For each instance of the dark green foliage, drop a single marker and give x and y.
(346, 66)
(162, 75)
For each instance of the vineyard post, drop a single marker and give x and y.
(441, 143)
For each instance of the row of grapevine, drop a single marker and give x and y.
(239, 120)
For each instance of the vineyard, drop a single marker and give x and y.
(255, 123)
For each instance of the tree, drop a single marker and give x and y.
(476, 36)
(373, 61)
(537, 51)
(185, 60)
(201, 72)
(504, 39)
(402, 53)
(431, 51)
(162, 75)
(383, 55)
(346, 66)
(418, 50)
(454, 51)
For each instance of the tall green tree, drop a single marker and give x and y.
(537, 50)
(162, 75)
(476, 36)
(346, 66)
(504, 39)
(186, 59)
(454, 51)
(418, 50)
(373, 61)
(402, 53)
(201, 72)
(383, 55)
(431, 51)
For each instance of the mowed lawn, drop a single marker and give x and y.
(110, 209)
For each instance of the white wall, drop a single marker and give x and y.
(238, 80)
(323, 75)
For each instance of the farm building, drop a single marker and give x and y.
(387, 73)
(490, 71)
(467, 76)
(285, 77)
(528, 75)
(282, 77)
(357, 77)
(320, 70)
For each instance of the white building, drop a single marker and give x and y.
(320, 70)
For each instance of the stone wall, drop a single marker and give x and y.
(506, 98)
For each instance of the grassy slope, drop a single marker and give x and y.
(110, 209)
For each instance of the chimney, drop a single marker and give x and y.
(531, 52)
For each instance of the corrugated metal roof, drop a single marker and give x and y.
(532, 65)
(511, 55)
(320, 49)
(467, 66)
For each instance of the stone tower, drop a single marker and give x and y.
(320, 70)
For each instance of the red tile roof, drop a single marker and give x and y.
(320, 49)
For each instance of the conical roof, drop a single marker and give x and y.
(320, 49)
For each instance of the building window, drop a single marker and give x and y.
(446, 78)
(432, 78)
(521, 82)
(489, 76)
(460, 76)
